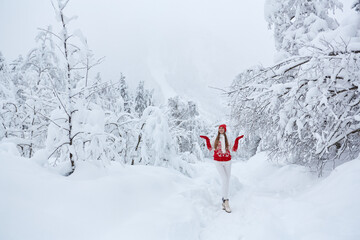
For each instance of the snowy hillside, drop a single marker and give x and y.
(144, 202)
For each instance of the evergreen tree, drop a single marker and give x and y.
(124, 92)
(141, 101)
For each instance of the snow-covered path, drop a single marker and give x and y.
(143, 202)
(273, 202)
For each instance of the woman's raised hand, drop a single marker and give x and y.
(207, 141)
(236, 144)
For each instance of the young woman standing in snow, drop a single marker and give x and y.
(222, 160)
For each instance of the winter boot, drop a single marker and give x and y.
(225, 205)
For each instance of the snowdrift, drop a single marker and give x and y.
(144, 202)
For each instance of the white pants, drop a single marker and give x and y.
(224, 169)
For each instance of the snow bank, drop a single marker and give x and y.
(136, 202)
(268, 200)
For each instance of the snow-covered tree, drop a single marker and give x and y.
(50, 100)
(119, 123)
(143, 98)
(140, 99)
(186, 126)
(14, 115)
(69, 132)
(297, 22)
(2, 62)
(124, 92)
(40, 67)
(155, 143)
(305, 109)
(9, 108)
(356, 5)
(307, 114)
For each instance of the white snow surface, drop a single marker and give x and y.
(143, 202)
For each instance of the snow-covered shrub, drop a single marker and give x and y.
(123, 122)
(157, 146)
(39, 71)
(27, 98)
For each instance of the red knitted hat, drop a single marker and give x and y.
(224, 126)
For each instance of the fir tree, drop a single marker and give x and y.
(140, 99)
(124, 92)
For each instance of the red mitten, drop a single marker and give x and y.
(207, 142)
(237, 143)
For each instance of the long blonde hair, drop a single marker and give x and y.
(217, 141)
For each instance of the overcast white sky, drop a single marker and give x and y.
(176, 46)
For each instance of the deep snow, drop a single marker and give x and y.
(143, 202)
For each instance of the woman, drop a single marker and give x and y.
(222, 158)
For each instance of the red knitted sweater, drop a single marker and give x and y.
(219, 155)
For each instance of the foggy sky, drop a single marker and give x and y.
(175, 46)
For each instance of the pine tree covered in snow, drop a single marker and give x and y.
(124, 92)
(143, 98)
